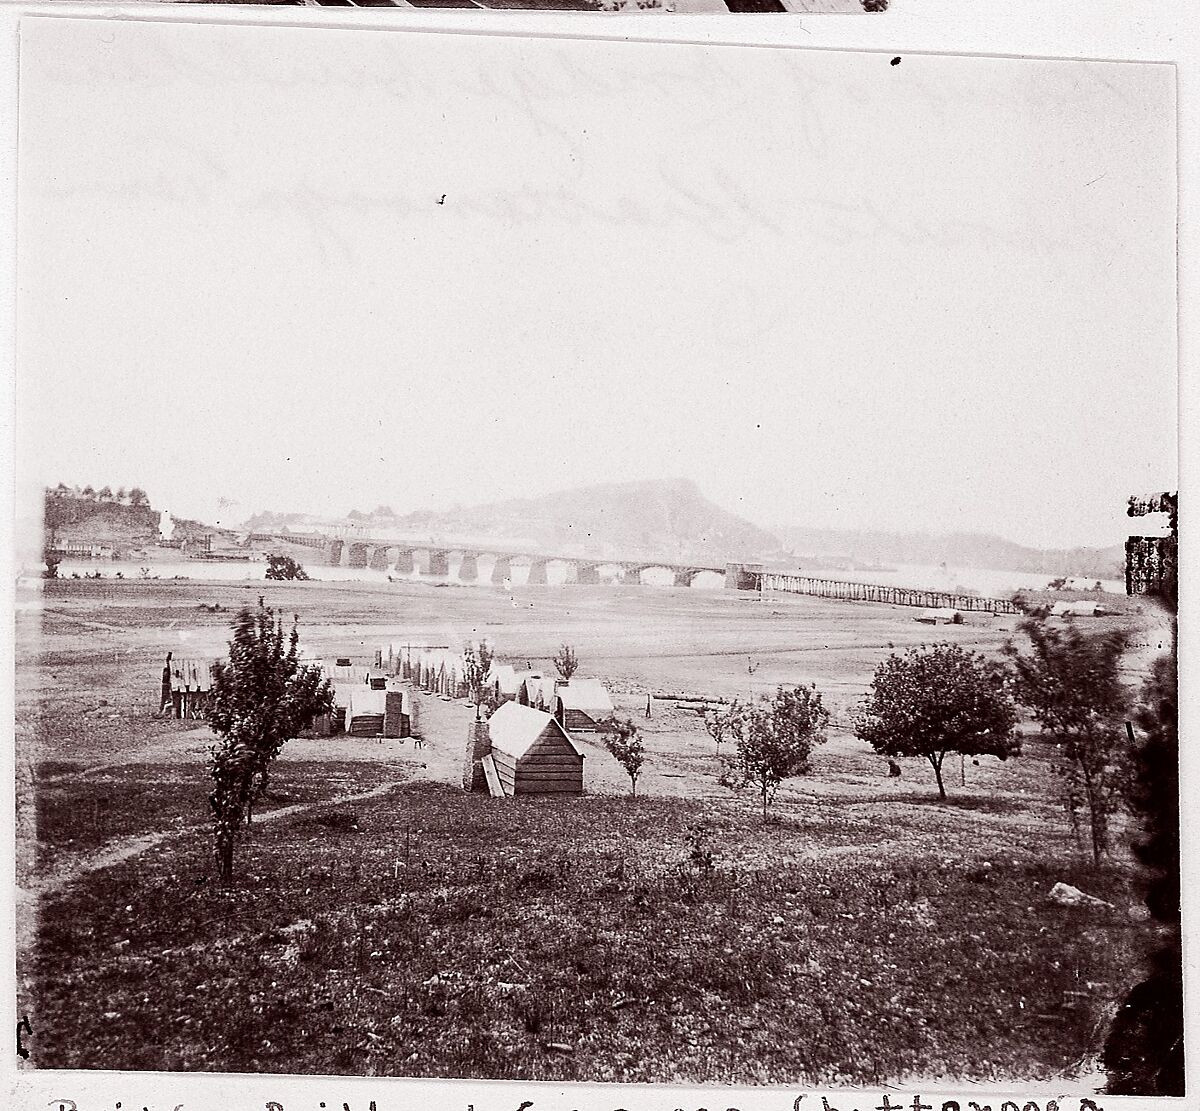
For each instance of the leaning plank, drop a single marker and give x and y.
(495, 788)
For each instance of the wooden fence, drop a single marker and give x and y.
(874, 592)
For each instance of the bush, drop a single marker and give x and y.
(285, 569)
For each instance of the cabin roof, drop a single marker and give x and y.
(588, 695)
(363, 700)
(514, 728)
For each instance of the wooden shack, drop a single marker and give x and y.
(532, 753)
(191, 686)
(582, 705)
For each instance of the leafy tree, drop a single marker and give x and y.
(261, 697)
(105, 494)
(122, 495)
(775, 738)
(477, 664)
(52, 561)
(937, 700)
(717, 724)
(281, 568)
(1070, 681)
(88, 492)
(624, 740)
(1143, 1053)
(566, 661)
(1152, 790)
(137, 496)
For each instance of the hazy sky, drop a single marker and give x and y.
(832, 291)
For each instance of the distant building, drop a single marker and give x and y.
(1082, 584)
(1077, 609)
(83, 549)
(939, 617)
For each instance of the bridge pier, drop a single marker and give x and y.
(684, 578)
(379, 559)
(587, 573)
(358, 556)
(743, 576)
(439, 563)
(502, 570)
(334, 554)
(632, 576)
(468, 570)
(537, 573)
(404, 561)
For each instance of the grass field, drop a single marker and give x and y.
(386, 923)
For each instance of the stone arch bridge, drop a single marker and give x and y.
(469, 564)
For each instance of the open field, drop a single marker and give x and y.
(386, 923)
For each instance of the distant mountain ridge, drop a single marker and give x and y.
(661, 519)
(657, 519)
(959, 549)
(672, 520)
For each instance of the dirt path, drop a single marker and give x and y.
(124, 850)
(28, 896)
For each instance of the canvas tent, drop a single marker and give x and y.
(532, 753)
(536, 690)
(504, 682)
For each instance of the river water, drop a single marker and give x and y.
(991, 584)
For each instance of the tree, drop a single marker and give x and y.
(121, 495)
(477, 665)
(717, 724)
(1070, 681)
(281, 568)
(624, 740)
(88, 492)
(1143, 1053)
(566, 662)
(936, 700)
(105, 494)
(775, 738)
(137, 496)
(52, 560)
(261, 697)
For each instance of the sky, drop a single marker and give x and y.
(316, 271)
